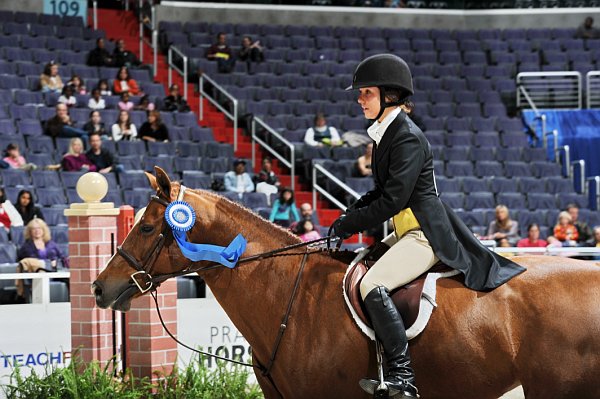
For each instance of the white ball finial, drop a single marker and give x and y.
(92, 187)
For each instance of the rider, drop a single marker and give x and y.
(426, 229)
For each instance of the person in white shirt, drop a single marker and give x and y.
(124, 129)
(67, 97)
(96, 101)
(321, 134)
(238, 180)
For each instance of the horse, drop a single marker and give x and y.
(540, 330)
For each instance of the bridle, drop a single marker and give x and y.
(144, 281)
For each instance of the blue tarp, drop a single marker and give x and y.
(579, 129)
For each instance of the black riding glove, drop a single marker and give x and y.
(338, 230)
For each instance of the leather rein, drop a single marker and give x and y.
(146, 282)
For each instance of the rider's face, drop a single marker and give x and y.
(369, 101)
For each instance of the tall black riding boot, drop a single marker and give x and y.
(390, 331)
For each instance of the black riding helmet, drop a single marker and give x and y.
(386, 71)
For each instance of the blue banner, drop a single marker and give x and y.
(64, 8)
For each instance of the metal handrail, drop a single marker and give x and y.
(221, 89)
(588, 87)
(581, 164)
(596, 181)
(539, 116)
(567, 162)
(153, 42)
(568, 74)
(571, 251)
(95, 14)
(554, 134)
(183, 73)
(287, 162)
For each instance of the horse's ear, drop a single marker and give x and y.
(163, 181)
(152, 181)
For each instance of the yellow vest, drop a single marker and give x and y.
(405, 221)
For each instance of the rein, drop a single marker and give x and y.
(149, 283)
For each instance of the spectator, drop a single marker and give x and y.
(533, 239)
(238, 180)
(307, 212)
(565, 231)
(586, 30)
(221, 52)
(320, 134)
(125, 83)
(75, 160)
(104, 87)
(175, 101)
(267, 181)
(595, 241)
(67, 97)
(61, 124)
(123, 57)
(145, 104)
(9, 216)
(503, 229)
(15, 160)
(306, 230)
(100, 56)
(364, 161)
(583, 230)
(96, 101)
(123, 129)
(125, 104)
(284, 209)
(153, 129)
(26, 207)
(95, 125)
(50, 80)
(77, 83)
(102, 158)
(38, 252)
(251, 52)
(409, 108)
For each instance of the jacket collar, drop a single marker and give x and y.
(378, 129)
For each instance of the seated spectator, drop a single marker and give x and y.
(95, 125)
(267, 181)
(284, 211)
(61, 125)
(238, 180)
(123, 129)
(125, 83)
(67, 97)
(251, 52)
(364, 161)
(504, 230)
(320, 134)
(565, 231)
(26, 207)
(123, 57)
(586, 30)
(77, 83)
(306, 213)
(125, 104)
(50, 80)
(175, 101)
(100, 56)
(221, 52)
(306, 230)
(104, 87)
(409, 108)
(153, 129)
(102, 158)
(533, 239)
(96, 101)
(38, 252)
(145, 104)
(595, 241)
(9, 216)
(75, 160)
(15, 160)
(583, 230)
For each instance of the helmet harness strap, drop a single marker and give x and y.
(383, 104)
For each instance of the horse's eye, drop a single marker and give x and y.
(147, 228)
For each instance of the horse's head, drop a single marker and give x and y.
(148, 251)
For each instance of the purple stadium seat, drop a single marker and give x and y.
(7, 127)
(512, 200)
(164, 161)
(482, 153)
(459, 138)
(454, 200)
(472, 184)
(14, 28)
(498, 110)
(558, 184)
(435, 137)
(517, 169)
(360, 184)
(320, 31)
(189, 163)
(48, 196)
(196, 179)
(517, 139)
(30, 127)
(541, 201)
(458, 123)
(486, 139)
(474, 58)
(500, 184)
(445, 184)
(441, 110)
(509, 154)
(459, 168)
(479, 200)
(215, 165)
(7, 68)
(15, 177)
(426, 57)
(440, 96)
(345, 31)
(545, 169)
(495, 45)
(457, 153)
(488, 168)
(137, 197)
(270, 30)
(468, 110)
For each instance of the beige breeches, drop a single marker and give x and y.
(27, 265)
(407, 259)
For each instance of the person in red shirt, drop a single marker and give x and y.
(565, 231)
(533, 238)
(125, 83)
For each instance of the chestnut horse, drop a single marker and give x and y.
(541, 330)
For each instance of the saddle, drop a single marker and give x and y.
(415, 301)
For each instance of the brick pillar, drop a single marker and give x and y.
(90, 227)
(150, 347)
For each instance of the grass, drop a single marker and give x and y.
(94, 382)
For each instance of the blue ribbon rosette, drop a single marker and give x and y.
(181, 218)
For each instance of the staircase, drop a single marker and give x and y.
(120, 24)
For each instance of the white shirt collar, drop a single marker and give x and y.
(377, 129)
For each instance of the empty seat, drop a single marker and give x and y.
(454, 200)
(557, 184)
(8, 253)
(196, 179)
(564, 199)
(512, 200)
(517, 169)
(471, 184)
(15, 177)
(137, 197)
(459, 168)
(45, 178)
(70, 178)
(531, 185)
(480, 200)
(545, 169)
(360, 184)
(54, 216)
(458, 153)
(488, 168)
(130, 179)
(541, 201)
